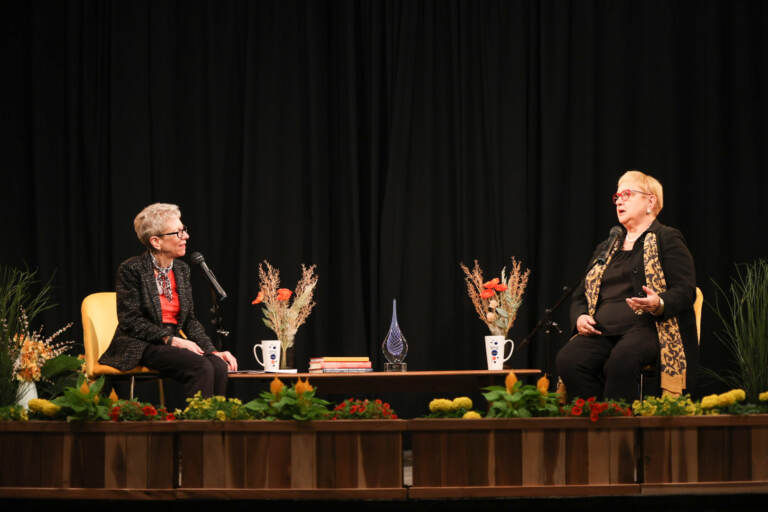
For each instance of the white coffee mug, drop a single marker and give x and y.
(494, 351)
(270, 349)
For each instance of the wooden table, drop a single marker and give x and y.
(378, 382)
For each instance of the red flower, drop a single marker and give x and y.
(500, 287)
(576, 411)
(258, 299)
(487, 294)
(593, 416)
(149, 410)
(492, 283)
(170, 417)
(591, 399)
(394, 416)
(284, 294)
(580, 402)
(378, 401)
(115, 413)
(353, 409)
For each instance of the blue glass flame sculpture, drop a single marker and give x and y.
(394, 347)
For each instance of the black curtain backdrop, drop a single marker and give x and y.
(385, 141)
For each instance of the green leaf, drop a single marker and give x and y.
(60, 364)
(501, 312)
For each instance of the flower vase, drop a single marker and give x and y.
(26, 392)
(287, 354)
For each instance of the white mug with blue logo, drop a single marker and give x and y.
(270, 349)
(494, 351)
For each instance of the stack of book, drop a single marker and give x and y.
(339, 365)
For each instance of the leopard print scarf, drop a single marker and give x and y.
(672, 355)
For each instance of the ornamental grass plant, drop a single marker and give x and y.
(744, 315)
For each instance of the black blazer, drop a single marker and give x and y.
(680, 275)
(139, 314)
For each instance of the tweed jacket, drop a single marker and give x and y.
(680, 275)
(139, 314)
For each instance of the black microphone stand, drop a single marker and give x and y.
(546, 321)
(217, 321)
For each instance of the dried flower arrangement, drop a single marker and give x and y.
(30, 350)
(281, 315)
(497, 301)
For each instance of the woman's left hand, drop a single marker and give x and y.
(229, 359)
(648, 304)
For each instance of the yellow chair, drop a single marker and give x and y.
(650, 370)
(99, 312)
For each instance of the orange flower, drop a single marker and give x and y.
(500, 287)
(303, 387)
(510, 381)
(84, 389)
(276, 386)
(284, 294)
(258, 299)
(492, 283)
(487, 293)
(543, 384)
(113, 395)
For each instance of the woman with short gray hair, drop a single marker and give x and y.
(157, 325)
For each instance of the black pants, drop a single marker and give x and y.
(607, 366)
(206, 373)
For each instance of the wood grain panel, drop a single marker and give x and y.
(623, 461)
(234, 476)
(381, 460)
(304, 460)
(114, 462)
(598, 455)
(191, 459)
(534, 464)
(87, 460)
(759, 453)
(683, 455)
(161, 471)
(466, 458)
(427, 458)
(278, 461)
(576, 457)
(713, 450)
(554, 457)
(508, 457)
(137, 459)
(738, 454)
(655, 446)
(256, 457)
(52, 471)
(214, 460)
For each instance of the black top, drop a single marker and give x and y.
(614, 317)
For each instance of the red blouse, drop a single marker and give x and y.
(171, 308)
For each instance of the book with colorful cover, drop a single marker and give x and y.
(340, 364)
(339, 359)
(340, 370)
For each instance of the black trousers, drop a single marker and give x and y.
(607, 367)
(206, 373)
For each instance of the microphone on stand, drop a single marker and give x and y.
(615, 233)
(198, 259)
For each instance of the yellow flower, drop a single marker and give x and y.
(462, 402)
(725, 399)
(220, 398)
(221, 415)
(43, 406)
(303, 386)
(543, 384)
(709, 401)
(276, 386)
(738, 395)
(472, 415)
(763, 397)
(441, 404)
(510, 381)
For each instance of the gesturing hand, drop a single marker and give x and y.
(585, 325)
(187, 345)
(650, 303)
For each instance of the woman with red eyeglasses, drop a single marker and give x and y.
(635, 305)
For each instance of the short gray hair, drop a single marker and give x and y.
(151, 220)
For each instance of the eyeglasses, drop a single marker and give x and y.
(626, 194)
(180, 233)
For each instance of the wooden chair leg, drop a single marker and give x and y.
(133, 383)
(160, 390)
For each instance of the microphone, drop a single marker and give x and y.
(615, 234)
(198, 259)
